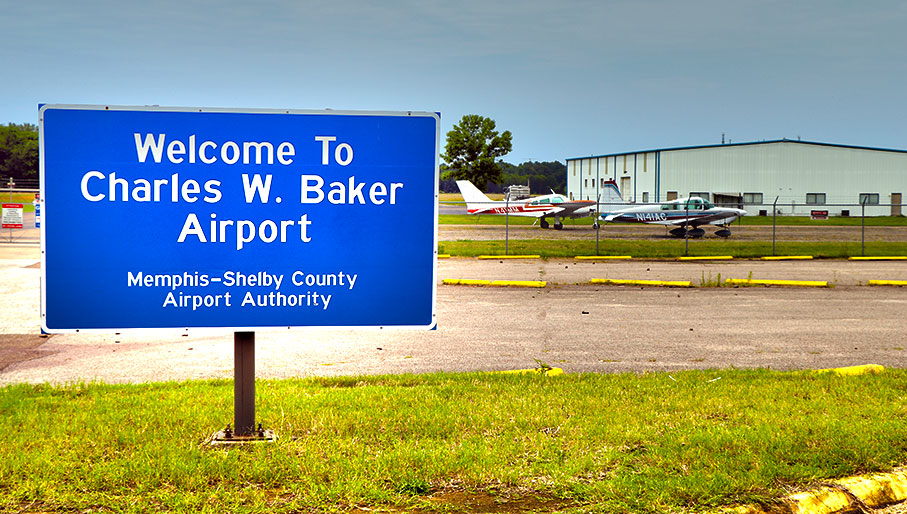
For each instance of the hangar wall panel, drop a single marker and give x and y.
(790, 170)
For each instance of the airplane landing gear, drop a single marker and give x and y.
(558, 226)
(678, 232)
(696, 233)
(595, 225)
(543, 223)
(724, 232)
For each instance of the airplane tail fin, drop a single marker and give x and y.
(610, 194)
(475, 199)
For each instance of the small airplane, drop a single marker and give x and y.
(555, 206)
(683, 212)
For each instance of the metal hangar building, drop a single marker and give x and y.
(795, 177)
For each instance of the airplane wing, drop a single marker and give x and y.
(576, 209)
(704, 219)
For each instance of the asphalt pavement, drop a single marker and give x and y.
(569, 324)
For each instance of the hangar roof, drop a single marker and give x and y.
(725, 145)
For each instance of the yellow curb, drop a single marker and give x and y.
(874, 490)
(444, 256)
(877, 258)
(500, 283)
(706, 258)
(802, 283)
(519, 283)
(787, 258)
(601, 257)
(862, 369)
(665, 283)
(510, 257)
(465, 282)
(550, 372)
(888, 282)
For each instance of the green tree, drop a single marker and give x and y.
(18, 150)
(471, 150)
(541, 176)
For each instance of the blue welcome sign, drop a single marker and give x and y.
(190, 217)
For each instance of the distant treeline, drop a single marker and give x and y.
(19, 160)
(18, 151)
(542, 177)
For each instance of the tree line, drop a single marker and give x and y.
(19, 151)
(473, 152)
(541, 177)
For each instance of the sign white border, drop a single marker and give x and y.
(156, 108)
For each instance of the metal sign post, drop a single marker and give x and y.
(244, 383)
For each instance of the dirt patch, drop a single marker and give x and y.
(464, 502)
(16, 348)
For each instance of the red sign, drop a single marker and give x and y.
(12, 215)
(818, 215)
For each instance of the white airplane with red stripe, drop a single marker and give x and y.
(555, 206)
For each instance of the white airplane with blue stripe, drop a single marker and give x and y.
(555, 206)
(686, 213)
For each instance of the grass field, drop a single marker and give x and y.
(25, 199)
(684, 442)
(666, 249)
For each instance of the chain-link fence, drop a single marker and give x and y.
(871, 226)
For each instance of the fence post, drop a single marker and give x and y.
(686, 231)
(595, 225)
(506, 222)
(774, 211)
(863, 226)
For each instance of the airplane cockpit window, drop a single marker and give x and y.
(545, 200)
(707, 205)
(667, 206)
(557, 199)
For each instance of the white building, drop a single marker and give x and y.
(800, 176)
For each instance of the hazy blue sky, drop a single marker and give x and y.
(568, 78)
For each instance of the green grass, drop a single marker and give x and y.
(835, 221)
(685, 442)
(669, 248)
(25, 199)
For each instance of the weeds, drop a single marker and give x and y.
(628, 443)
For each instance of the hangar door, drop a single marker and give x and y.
(625, 189)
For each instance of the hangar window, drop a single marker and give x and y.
(752, 198)
(815, 198)
(645, 197)
(585, 182)
(869, 198)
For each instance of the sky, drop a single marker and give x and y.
(570, 78)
